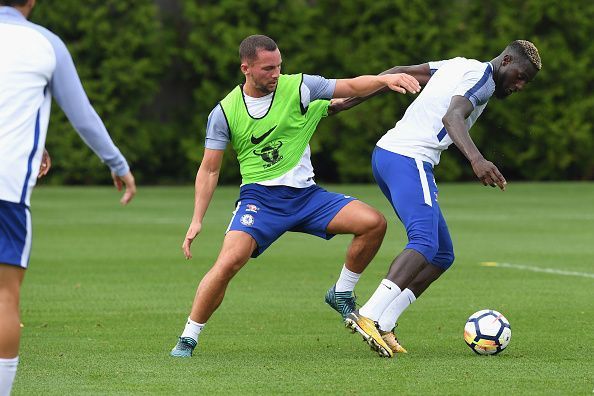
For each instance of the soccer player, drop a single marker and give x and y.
(456, 93)
(34, 66)
(269, 121)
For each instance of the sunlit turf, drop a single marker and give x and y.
(108, 291)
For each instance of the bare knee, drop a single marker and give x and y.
(227, 266)
(228, 270)
(375, 224)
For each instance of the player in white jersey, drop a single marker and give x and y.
(34, 66)
(456, 93)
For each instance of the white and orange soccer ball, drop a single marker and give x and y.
(487, 332)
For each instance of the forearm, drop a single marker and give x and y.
(421, 72)
(206, 183)
(455, 125)
(363, 85)
(358, 90)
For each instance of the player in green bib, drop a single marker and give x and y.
(269, 121)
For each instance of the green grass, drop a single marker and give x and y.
(108, 291)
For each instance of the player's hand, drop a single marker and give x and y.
(401, 82)
(335, 105)
(192, 233)
(46, 164)
(128, 181)
(488, 173)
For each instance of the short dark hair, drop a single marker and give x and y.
(12, 3)
(248, 49)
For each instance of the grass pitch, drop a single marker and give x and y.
(108, 291)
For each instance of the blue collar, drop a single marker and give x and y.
(11, 12)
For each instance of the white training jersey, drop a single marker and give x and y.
(34, 66)
(420, 133)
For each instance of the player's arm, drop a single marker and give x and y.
(207, 178)
(454, 122)
(68, 91)
(366, 85)
(422, 73)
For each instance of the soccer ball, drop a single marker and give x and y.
(487, 332)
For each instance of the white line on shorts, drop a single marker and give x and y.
(538, 269)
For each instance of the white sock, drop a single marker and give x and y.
(390, 316)
(379, 301)
(8, 369)
(193, 329)
(347, 280)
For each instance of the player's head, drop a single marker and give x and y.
(515, 67)
(260, 62)
(24, 6)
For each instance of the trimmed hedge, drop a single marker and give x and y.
(154, 74)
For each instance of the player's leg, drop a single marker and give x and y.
(368, 227)
(235, 253)
(406, 183)
(327, 214)
(252, 229)
(430, 273)
(11, 278)
(237, 248)
(15, 246)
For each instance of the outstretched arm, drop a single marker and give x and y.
(366, 85)
(206, 182)
(454, 122)
(422, 73)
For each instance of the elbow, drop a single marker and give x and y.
(213, 173)
(446, 120)
(451, 118)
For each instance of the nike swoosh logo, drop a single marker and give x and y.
(257, 140)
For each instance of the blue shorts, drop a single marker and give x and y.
(410, 187)
(267, 212)
(15, 234)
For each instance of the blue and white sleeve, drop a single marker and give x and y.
(68, 91)
(476, 85)
(316, 87)
(217, 130)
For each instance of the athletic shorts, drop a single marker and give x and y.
(410, 187)
(267, 212)
(15, 234)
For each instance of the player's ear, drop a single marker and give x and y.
(244, 68)
(507, 59)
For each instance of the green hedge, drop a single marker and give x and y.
(121, 53)
(154, 75)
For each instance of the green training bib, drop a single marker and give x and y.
(270, 146)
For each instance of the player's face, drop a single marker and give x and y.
(263, 72)
(513, 77)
